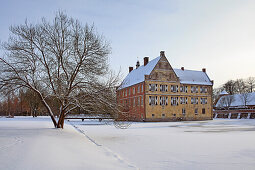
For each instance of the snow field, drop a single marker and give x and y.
(33, 143)
(217, 144)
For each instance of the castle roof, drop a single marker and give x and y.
(186, 76)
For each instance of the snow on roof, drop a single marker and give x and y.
(137, 75)
(223, 92)
(185, 76)
(193, 77)
(238, 100)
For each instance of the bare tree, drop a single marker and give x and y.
(63, 60)
(245, 98)
(230, 87)
(240, 86)
(250, 82)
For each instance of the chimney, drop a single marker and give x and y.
(162, 53)
(182, 68)
(137, 64)
(145, 60)
(130, 69)
(204, 70)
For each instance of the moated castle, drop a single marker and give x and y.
(157, 92)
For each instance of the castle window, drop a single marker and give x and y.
(163, 100)
(194, 100)
(181, 88)
(163, 87)
(174, 88)
(203, 89)
(194, 89)
(186, 89)
(141, 88)
(183, 100)
(203, 100)
(196, 111)
(133, 90)
(141, 100)
(153, 100)
(203, 111)
(184, 111)
(153, 87)
(174, 101)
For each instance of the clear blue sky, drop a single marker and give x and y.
(216, 34)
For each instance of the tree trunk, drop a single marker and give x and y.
(61, 120)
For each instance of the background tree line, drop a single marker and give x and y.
(239, 86)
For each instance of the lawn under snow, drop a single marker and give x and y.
(33, 143)
(216, 144)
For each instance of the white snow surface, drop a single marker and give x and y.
(186, 76)
(193, 77)
(217, 144)
(239, 100)
(33, 144)
(223, 92)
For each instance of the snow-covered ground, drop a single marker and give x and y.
(33, 143)
(217, 144)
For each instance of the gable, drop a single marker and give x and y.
(163, 71)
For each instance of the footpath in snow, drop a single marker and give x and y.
(33, 144)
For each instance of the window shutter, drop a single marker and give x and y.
(177, 100)
(206, 90)
(166, 87)
(186, 100)
(156, 87)
(201, 100)
(156, 100)
(166, 100)
(196, 89)
(205, 100)
(172, 88)
(160, 87)
(201, 89)
(149, 87)
(160, 100)
(171, 100)
(177, 88)
(149, 100)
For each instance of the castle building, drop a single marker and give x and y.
(157, 92)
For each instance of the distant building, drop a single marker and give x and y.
(157, 92)
(236, 101)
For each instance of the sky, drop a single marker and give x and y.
(218, 35)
